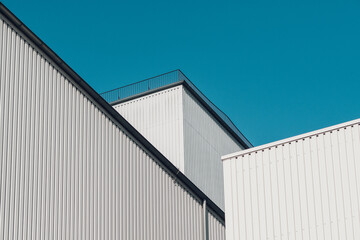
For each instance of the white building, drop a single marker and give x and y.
(148, 166)
(304, 187)
(186, 127)
(71, 167)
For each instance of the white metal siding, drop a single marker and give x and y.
(183, 130)
(205, 142)
(305, 187)
(67, 171)
(216, 230)
(159, 118)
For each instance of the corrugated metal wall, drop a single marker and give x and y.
(158, 117)
(186, 133)
(205, 141)
(306, 187)
(216, 230)
(68, 172)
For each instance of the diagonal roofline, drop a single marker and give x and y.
(291, 139)
(107, 109)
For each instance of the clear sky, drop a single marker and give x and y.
(276, 68)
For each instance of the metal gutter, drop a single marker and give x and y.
(107, 108)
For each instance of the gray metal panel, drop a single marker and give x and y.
(304, 187)
(216, 230)
(205, 141)
(68, 171)
(178, 125)
(168, 80)
(159, 118)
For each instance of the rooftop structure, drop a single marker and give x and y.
(183, 124)
(167, 80)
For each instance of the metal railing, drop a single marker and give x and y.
(143, 86)
(163, 80)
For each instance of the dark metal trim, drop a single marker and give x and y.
(146, 93)
(108, 109)
(241, 139)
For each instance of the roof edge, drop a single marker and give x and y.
(139, 95)
(240, 138)
(291, 139)
(107, 108)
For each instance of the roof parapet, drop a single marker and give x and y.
(167, 80)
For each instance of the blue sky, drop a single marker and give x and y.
(277, 69)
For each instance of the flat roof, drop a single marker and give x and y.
(107, 108)
(171, 79)
(291, 139)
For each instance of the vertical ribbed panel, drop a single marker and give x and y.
(186, 133)
(205, 141)
(67, 171)
(216, 230)
(158, 117)
(305, 187)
